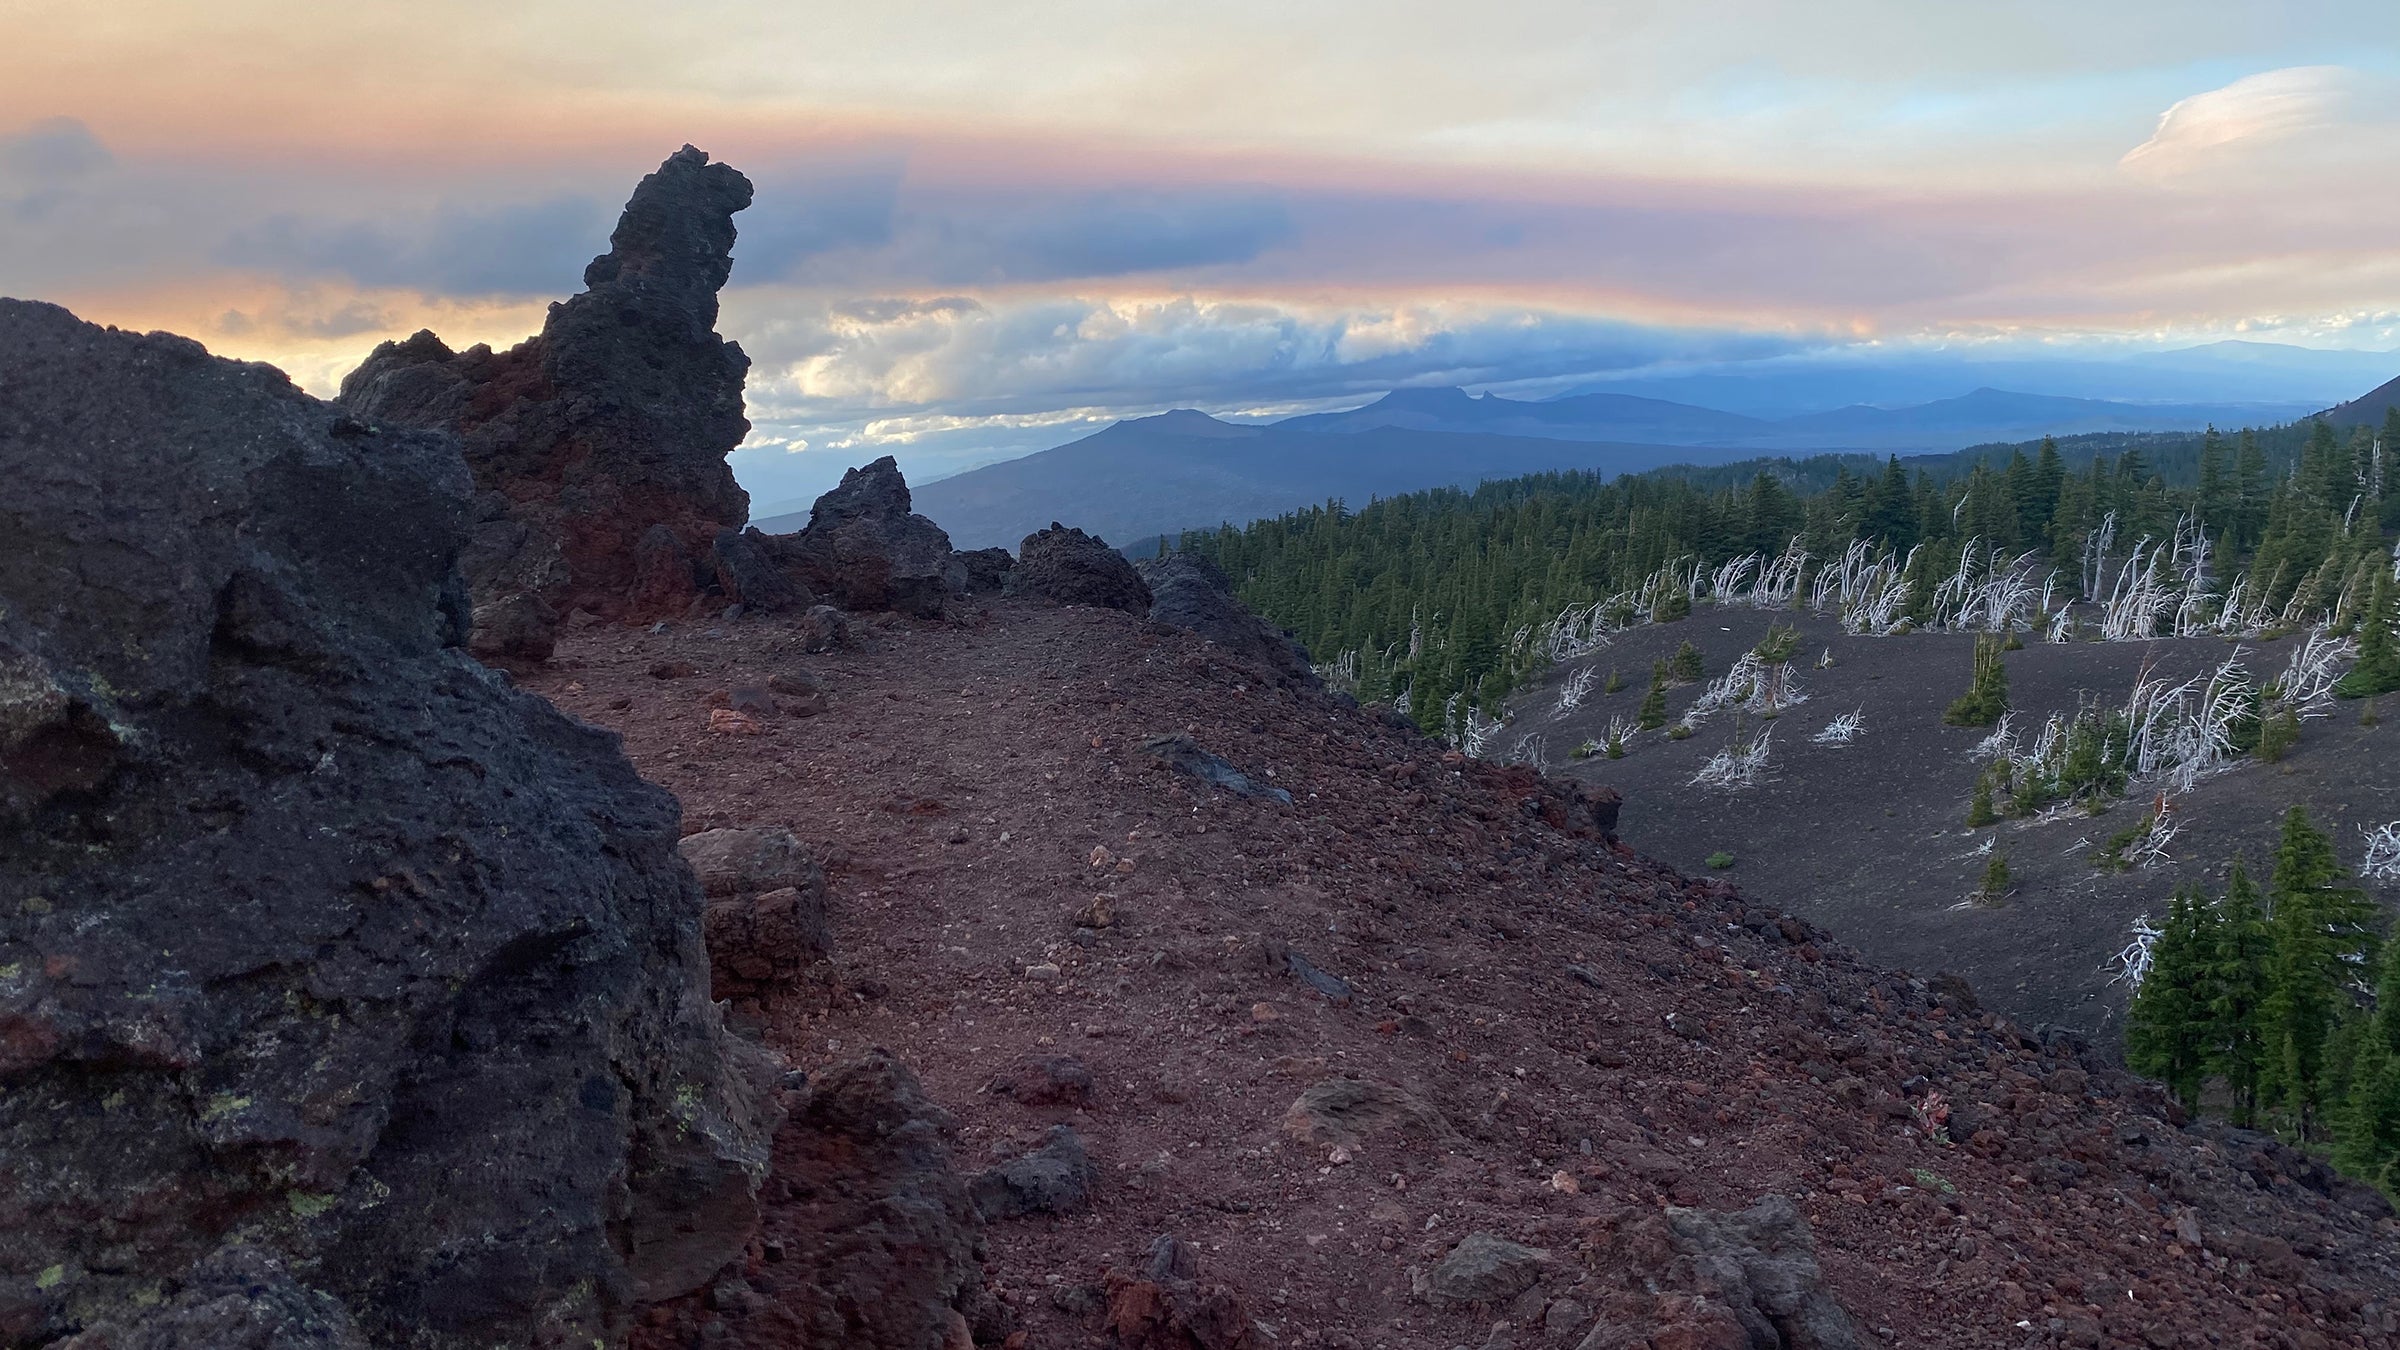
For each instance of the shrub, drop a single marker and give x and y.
(1585, 750)
(1653, 713)
(1986, 699)
(1979, 806)
(1777, 647)
(1681, 731)
(2278, 733)
(1719, 860)
(1996, 881)
(1686, 667)
(1615, 681)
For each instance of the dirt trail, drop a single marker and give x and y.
(1564, 1038)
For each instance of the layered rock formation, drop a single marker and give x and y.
(599, 446)
(347, 996)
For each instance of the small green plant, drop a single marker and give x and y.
(1719, 861)
(1653, 713)
(1996, 881)
(1681, 731)
(2278, 733)
(1686, 667)
(2014, 642)
(1928, 1179)
(1980, 811)
(2366, 715)
(1986, 699)
(1616, 745)
(1585, 750)
(1615, 681)
(1777, 647)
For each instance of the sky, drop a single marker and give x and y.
(982, 229)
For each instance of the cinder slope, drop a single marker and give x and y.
(1550, 1040)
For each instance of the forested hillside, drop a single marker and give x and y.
(1439, 594)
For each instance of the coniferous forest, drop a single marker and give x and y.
(2266, 1002)
(1434, 600)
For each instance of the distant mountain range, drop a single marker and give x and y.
(1186, 470)
(2220, 372)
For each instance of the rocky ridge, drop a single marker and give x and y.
(1418, 1057)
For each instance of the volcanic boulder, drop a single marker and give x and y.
(589, 439)
(865, 549)
(1190, 591)
(346, 994)
(1075, 568)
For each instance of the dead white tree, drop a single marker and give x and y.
(2315, 667)
(1737, 766)
(1842, 730)
(2382, 862)
(2133, 960)
(1577, 684)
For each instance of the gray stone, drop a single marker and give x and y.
(1053, 1179)
(1483, 1269)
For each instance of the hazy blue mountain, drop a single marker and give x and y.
(1973, 418)
(1987, 415)
(2217, 373)
(1586, 417)
(1186, 470)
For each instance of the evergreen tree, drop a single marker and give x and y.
(1686, 667)
(2240, 972)
(2170, 1029)
(1653, 714)
(2378, 667)
(2367, 1133)
(1891, 509)
(1986, 699)
(1979, 806)
(2321, 933)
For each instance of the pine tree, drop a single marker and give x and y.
(1979, 806)
(2321, 930)
(1996, 881)
(2378, 667)
(2367, 1132)
(2240, 973)
(1653, 714)
(1686, 666)
(1986, 699)
(2169, 1030)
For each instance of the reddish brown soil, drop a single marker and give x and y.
(975, 783)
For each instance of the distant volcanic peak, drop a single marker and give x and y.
(1443, 396)
(677, 230)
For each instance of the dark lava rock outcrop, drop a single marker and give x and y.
(870, 1241)
(1075, 568)
(598, 446)
(866, 550)
(347, 995)
(1190, 591)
